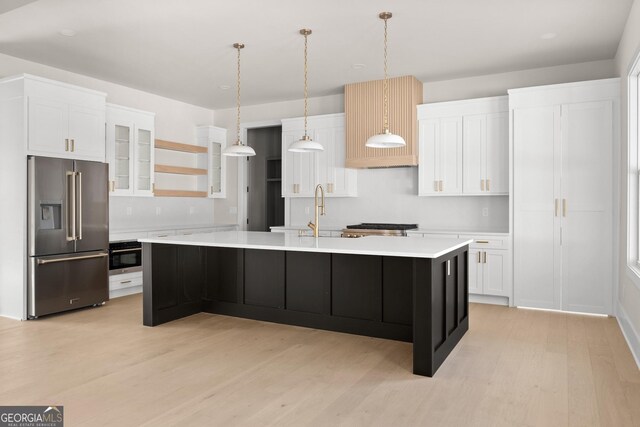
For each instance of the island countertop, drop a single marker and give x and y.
(369, 245)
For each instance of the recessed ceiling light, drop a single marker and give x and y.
(67, 32)
(224, 87)
(358, 66)
(548, 36)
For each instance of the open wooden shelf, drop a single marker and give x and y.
(180, 170)
(179, 146)
(179, 193)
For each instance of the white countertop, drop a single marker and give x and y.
(114, 230)
(457, 230)
(461, 230)
(369, 245)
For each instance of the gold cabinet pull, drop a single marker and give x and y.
(482, 185)
(73, 145)
(488, 185)
(482, 241)
(484, 257)
(66, 144)
(564, 207)
(440, 186)
(479, 260)
(112, 186)
(556, 207)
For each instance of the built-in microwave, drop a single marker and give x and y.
(125, 257)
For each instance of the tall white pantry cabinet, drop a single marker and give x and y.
(45, 118)
(562, 141)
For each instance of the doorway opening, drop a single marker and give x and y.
(265, 205)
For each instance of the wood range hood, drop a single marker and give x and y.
(364, 108)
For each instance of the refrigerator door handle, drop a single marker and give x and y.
(71, 206)
(79, 205)
(71, 258)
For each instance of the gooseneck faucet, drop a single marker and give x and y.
(319, 208)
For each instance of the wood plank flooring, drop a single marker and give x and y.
(513, 368)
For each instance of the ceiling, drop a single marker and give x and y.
(182, 50)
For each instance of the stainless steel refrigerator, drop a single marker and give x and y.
(68, 234)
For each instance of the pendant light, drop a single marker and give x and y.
(305, 144)
(385, 139)
(238, 149)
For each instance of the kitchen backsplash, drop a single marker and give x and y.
(390, 195)
(131, 212)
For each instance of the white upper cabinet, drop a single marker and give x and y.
(301, 172)
(464, 147)
(64, 121)
(563, 142)
(130, 151)
(298, 169)
(215, 139)
(440, 170)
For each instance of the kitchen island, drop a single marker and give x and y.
(409, 289)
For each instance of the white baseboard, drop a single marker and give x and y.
(124, 292)
(489, 299)
(630, 333)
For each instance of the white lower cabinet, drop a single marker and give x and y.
(489, 266)
(125, 284)
(489, 262)
(495, 273)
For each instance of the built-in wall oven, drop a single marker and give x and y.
(125, 257)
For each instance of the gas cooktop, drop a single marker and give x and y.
(382, 226)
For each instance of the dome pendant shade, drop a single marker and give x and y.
(305, 145)
(385, 139)
(238, 149)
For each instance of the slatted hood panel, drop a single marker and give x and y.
(364, 110)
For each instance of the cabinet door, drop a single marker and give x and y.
(536, 134)
(497, 154)
(474, 159)
(299, 169)
(450, 155)
(475, 271)
(289, 186)
(495, 274)
(144, 174)
(120, 156)
(86, 131)
(48, 127)
(217, 141)
(587, 245)
(429, 133)
(337, 180)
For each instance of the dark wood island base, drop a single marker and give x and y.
(419, 300)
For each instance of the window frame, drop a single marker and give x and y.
(633, 173)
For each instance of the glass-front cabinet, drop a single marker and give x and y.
(130, 150)
(215, 139)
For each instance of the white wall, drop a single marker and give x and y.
(175, 121)
(390, 195)
(629, 292)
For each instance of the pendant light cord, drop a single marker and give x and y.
(238, 99)
(386, 84)
(305, 84)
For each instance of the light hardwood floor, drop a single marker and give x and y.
(514, 367)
